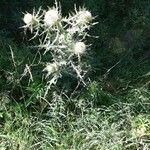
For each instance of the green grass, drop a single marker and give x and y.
(124, 125)
(112, 113)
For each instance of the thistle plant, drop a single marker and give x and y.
(64, 39)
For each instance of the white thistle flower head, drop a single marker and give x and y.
(79, 48)
(51, 17)
(30, 19)
(51, 68)
(84, 17)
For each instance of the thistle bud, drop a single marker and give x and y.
(30, 19)
(51, 68)
(79, 48)
(51, 17)
(84, 17)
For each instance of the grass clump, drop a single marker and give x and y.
(79, 125)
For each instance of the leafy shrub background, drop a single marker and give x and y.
(112, 113)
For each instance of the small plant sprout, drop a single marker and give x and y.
(61, 38)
